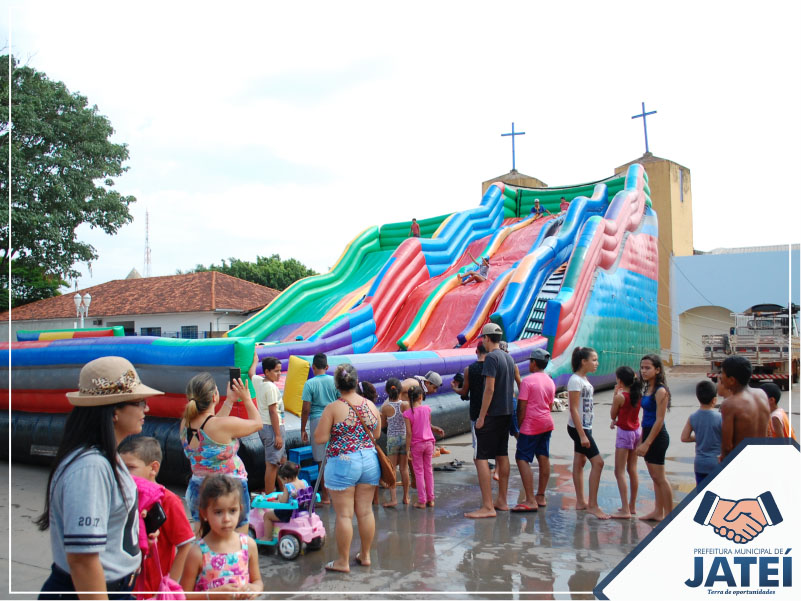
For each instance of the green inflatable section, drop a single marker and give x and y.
(618, 342)
(309, 299)
(517, 202)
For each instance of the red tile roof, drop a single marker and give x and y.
(191, 292)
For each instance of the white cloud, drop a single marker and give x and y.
(290, 127)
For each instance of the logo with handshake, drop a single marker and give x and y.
(741, 520)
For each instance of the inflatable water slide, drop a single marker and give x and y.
(417, 316)
(395, 306)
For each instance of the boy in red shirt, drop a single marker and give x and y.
(536, 424)
(142, 456)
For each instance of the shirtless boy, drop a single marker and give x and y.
(746, 412)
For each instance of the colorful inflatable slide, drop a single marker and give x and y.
(395, 305)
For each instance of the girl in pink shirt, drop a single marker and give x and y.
(420, 445)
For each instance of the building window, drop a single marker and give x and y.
(188, 331)
(150, 331)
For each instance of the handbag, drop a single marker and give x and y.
(387, 470)
(169, 590)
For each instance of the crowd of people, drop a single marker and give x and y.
(113, 529)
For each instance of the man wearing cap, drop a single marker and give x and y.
(429, 383)
(536, 424)
(91, 503)
(492, 425)
(537, 210)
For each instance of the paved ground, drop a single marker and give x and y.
(557, 551)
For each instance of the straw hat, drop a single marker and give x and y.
(108, 381)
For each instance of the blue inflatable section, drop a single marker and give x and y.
(461, 230)
(549, 253)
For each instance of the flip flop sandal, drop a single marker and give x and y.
(522, 508)
(330, 567)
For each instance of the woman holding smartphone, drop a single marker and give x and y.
(211, 439)
(91, 506)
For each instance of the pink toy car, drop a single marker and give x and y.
(304, 527)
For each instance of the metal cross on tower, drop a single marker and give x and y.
(644, 127)
(513, 134)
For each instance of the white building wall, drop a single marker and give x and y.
(696, 322)
(170, 323)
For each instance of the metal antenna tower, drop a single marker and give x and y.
(147, 244)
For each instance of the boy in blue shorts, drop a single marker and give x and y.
(536, 424)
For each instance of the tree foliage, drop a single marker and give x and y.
(62, 165)
(29, 282)
(268, 271)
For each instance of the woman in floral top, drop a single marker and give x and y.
(211, 445)
(351, 470)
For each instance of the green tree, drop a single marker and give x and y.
(271, 271)
(29, 282)
(62, 164)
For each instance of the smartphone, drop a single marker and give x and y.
(234, 373)
(155, 518)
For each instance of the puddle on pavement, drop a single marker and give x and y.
(554, 549)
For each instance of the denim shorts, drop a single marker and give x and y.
(350, 469)
(193, 493)
(396, 445)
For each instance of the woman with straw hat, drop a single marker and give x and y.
(91, 503)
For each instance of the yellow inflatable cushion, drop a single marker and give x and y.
(296, 375)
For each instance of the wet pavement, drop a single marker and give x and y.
(557, 552)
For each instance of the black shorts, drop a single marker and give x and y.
(588, 452)
(658, 449)
(283, 515)
(493, 439)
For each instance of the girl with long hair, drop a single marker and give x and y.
(625, 415)
(91, 502)
(579, 427)
(655, 438)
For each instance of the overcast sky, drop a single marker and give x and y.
(289, 127)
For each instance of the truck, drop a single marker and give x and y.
(768, 339)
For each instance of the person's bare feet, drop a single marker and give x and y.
(581, 506)
(540, 500)
(480, 513)
(363, 562)
(406, 500)
(419, 505)
(652, 517)
(391, 504)
(430, 504)
(503, 507)
(621, 515)
(598, 512)
(495, 476)
(633, 509)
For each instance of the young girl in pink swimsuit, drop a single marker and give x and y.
(224, 560)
